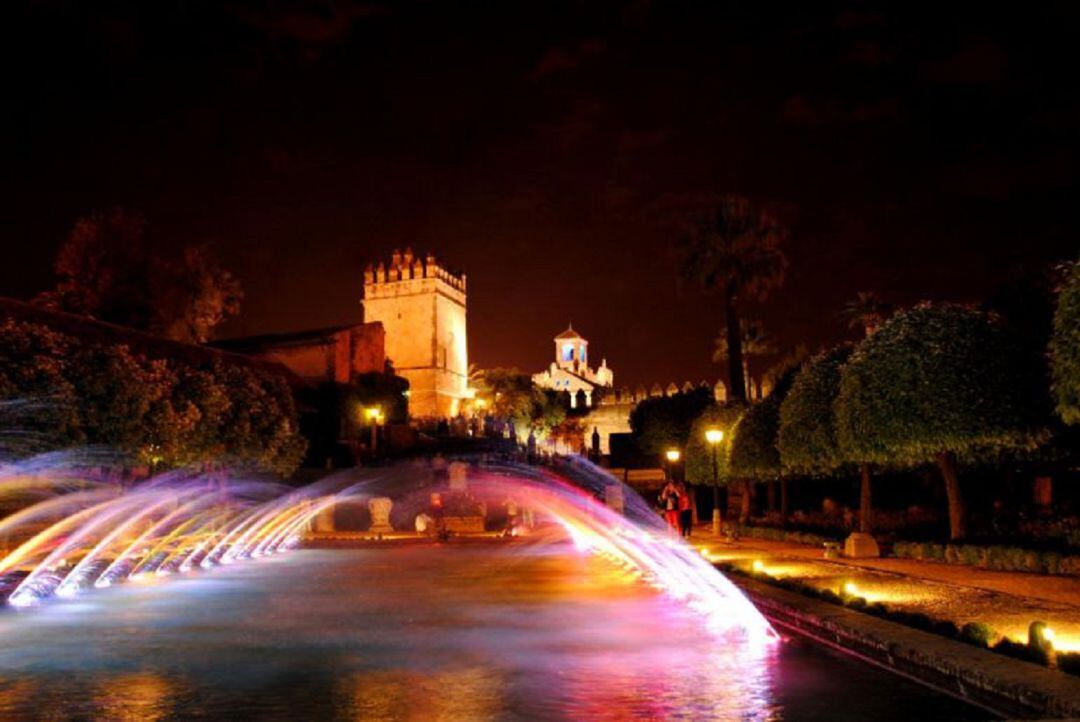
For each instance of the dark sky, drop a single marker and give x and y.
(544, 147)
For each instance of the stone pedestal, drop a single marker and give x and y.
(458, 481)
(861, 546)
(380, 508)
(614, 498)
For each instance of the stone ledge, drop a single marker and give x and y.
(1007, 686)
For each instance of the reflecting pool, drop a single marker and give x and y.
(485, 631)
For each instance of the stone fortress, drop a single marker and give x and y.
(571, 373)
(414, 312)
(421, 307)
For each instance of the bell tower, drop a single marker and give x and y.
(571, 350)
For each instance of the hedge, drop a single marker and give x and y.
(995, 557)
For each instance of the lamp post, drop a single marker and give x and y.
(714, 437)
(672, 456)
(374, 416)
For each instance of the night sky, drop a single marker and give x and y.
(545, 148)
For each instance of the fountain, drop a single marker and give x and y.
(87, 534)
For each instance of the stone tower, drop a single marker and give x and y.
(421, 305)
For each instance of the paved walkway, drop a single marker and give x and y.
(1007, 601)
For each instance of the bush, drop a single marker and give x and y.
(996, 557)
(859, 604)
(1018, 650)
(1069, 662)
(977, 633)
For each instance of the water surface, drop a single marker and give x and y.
(456, 632)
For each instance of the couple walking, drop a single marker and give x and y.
(675, 501)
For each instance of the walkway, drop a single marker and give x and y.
(1007, 601)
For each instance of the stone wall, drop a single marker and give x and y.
(319, 355)
(421, 306)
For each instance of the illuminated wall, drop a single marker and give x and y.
(421, 306)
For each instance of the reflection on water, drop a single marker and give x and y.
(419, 633)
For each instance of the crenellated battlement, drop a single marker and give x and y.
(422, 306)
(405, 267)
(627, 395)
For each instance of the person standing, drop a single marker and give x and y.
(669, 502)
(686, 512)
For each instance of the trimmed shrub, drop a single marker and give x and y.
(977, 633)
(1018, 650)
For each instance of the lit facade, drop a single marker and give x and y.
(421, 306)
(570, 371)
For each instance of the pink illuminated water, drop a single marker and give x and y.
(485, 631)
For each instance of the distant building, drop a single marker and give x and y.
(570, 371)
(336, 354)
(421, 306)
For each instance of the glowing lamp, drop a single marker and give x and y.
(373, 414)
(758, 566)
(714, 436)
(851, 589)
(672, 455)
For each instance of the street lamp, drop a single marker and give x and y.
(374, 416)
(714, 437)
(672, 456)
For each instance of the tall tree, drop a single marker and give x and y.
(102, 270)
(105, 271)
(807, 438)
(197, 298)
(756, 342)
(734, 250)
(937, 384)
(1065, 347)
(754, 451)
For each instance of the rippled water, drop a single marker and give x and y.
(459, 632)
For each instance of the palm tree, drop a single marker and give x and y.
(756, 342)
(733, 249)
(866, 311)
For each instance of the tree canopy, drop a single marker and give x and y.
(661, 422)
(754, 452)
(165, 413)
(1065, 347)
(699, 452)
(105, 270)
(807, 432)
(935, 378)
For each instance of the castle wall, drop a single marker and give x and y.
(607, 419)
(312, 362)
(332, 354)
